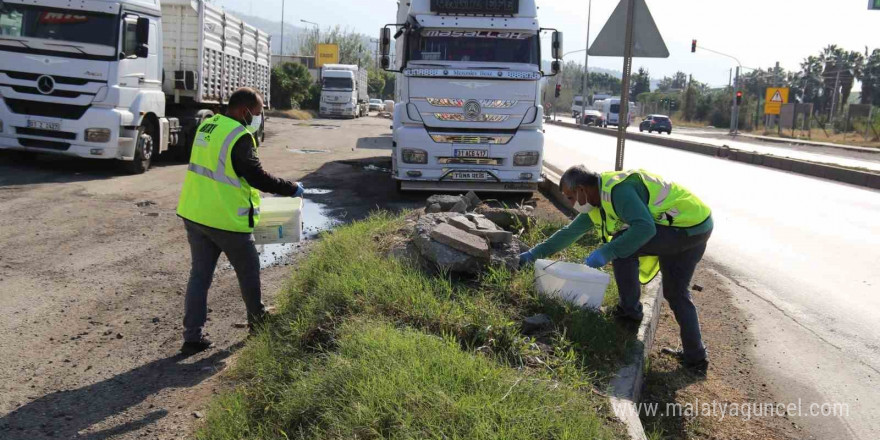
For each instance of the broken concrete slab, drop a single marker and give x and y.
(461, 240)
(446, 202)
(462, 222)
(496, 237)
(433, 208)
(508, 219)
(460, 207)
(472, 200)
(486, 224)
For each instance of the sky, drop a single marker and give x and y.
(757, 32)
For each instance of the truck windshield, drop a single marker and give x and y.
(615, 108)
(338, 83)
(481, 46)
(57, 24)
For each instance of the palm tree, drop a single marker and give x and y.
(870, 78)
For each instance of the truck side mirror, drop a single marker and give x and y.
(555, 67)
(142, 37)
(557, 45)
(385, 48)
(384, 41)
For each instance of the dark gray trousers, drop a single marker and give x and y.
(679, 254)
(205, 245)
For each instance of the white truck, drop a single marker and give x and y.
(468, 113)
(344, 91)
(120, 79)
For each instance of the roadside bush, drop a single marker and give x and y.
(290, 84)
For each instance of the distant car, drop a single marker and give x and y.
(658, 123)
(377, 105)
(594, 117)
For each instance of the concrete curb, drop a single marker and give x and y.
(854, 177)
(780, 140)
(626, 387)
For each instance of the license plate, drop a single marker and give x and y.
(468, 175)
(471, 153)
(44, 125)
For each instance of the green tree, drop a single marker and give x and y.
(870, 78)
(376, 82)
(690, 103)
(641, 83)
(290, 85)
(353, 47)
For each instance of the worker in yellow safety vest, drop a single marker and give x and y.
(648, 225)
(220, 206)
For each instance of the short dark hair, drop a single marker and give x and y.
(579, 175)
(244, 97)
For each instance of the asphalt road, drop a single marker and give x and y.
(836, 156)
(802, 252)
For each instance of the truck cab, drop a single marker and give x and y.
(341, 89)
(468, 113)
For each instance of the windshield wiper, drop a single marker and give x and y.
(21, 42)
(79, 48)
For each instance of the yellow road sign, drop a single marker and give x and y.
(327, 54)
(776, 96)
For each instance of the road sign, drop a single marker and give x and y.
(327, 54)
(776, 96)
(647, 41)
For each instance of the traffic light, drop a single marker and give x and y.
(693, 46)
(739, 98)
(558, 89)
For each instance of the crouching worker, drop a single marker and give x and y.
(648, 225)
(220, 205)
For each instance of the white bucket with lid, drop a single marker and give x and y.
(578, 284)
(280, 221)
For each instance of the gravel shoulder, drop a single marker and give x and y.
(93, 267)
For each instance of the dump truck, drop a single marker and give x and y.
(120, 79)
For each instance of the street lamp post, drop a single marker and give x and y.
(282, 30)
(317, 35)
(734, 115)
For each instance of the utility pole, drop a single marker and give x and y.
(282, 30)
(623, 120)
(734, 112)
(586, 65)
(834, 95)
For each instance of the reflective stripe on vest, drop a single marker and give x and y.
(213, 195)
(668, 203)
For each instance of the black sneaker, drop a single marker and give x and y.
(193, 347)
(699, 368)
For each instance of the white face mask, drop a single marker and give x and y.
(583, 209)
(256, 121)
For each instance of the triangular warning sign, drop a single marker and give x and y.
(777, 97)
(647, 41)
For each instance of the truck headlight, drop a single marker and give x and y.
(97, 135)
(411, 155)
(526, 158)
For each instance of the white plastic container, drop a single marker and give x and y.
(280, 221)
(576, 283)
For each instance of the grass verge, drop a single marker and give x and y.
(367, 346)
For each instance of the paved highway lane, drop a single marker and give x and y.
(827, 155)
(805, 254)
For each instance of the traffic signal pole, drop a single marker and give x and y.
(734, 110)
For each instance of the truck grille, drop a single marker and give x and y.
(56, 92)
(45, 133)
(36, 143)
(47, 109)
(27, 76)
(471, 139)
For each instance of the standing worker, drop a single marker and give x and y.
(220, 205)
(648, 226)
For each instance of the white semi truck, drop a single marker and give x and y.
(120, 79)
(344, 91)
(468, 113)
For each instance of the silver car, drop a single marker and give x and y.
(377, 105)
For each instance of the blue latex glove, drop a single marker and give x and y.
(526, 258)
(596, 259)
(300, 190)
